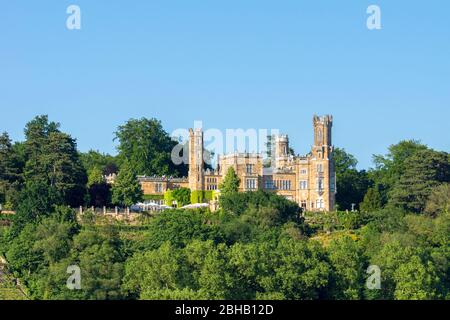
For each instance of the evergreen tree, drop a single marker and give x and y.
(390, 167)
(230, 183)
(9, 168)
(52, 159)
(423, 171)
(126, 190)
(373, 200)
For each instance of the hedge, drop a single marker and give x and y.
(147, 197)
(202, 196)
(168, 198)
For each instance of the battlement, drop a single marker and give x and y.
(246, 155)
(326, 119)
(281, 138)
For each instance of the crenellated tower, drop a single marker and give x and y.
(323, 144)
(322, 169)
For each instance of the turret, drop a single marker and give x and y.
(281, 149)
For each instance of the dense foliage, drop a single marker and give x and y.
(126, 190)
(147, 148)
(257, 246)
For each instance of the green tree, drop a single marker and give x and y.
(348, 265)
(373, 200)
(182, 196)
(147, 148)
(36, 200)
(10, 170)
(100, 195)
(251, 267)
(179, 228)
(37, 132)
(95, 177)
(53, 238)
(300, 271)
(98, 190)
(389, 167)
(52, 158)
(230, 183)
(214, 279)
(416, 280)
(239, 203)
(101, 262)
(439, 200)
(343, 160)
(408, 272)
(352, 184)
(423, 171)
(126, 190)
(150, 272)
(22, 258)
(94, 160)
(62, 168)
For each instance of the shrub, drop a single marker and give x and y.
(168, 198)
(196, 196)
(182, 196)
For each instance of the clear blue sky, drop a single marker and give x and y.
(232, 64)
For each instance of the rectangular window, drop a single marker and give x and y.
(320, 204)
(303, 185)
(320, 168)
(284, 184)
(250, 184)
(320, 184)
(158, 188)
(269, 185)
(303, 172)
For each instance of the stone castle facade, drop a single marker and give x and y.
(309, 180)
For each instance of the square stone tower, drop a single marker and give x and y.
(196, 162)
(322, 172)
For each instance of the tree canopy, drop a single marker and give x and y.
(230, 183)
(352, 184)
(126, 190)
(145, 145)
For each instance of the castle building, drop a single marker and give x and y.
(309, 180)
